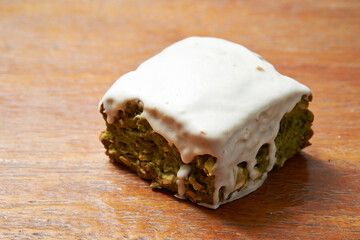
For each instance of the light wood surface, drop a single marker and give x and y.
(57, 59)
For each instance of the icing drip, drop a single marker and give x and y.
(182, 174)
(272, 151)
(252, 186)
(217, 98)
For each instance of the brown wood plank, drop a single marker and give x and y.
(57, 59)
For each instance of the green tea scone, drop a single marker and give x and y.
(205, 118)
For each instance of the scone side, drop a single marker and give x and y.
(131, 141)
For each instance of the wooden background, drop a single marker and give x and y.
(57, 59)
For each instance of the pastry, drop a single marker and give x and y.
(205, 118)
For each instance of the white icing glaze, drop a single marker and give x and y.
(182, 174)
(236, 195)
(211, 96)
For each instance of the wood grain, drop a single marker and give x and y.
(59, 57)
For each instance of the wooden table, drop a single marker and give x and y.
(57, 59)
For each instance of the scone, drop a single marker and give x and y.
(205, 118)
